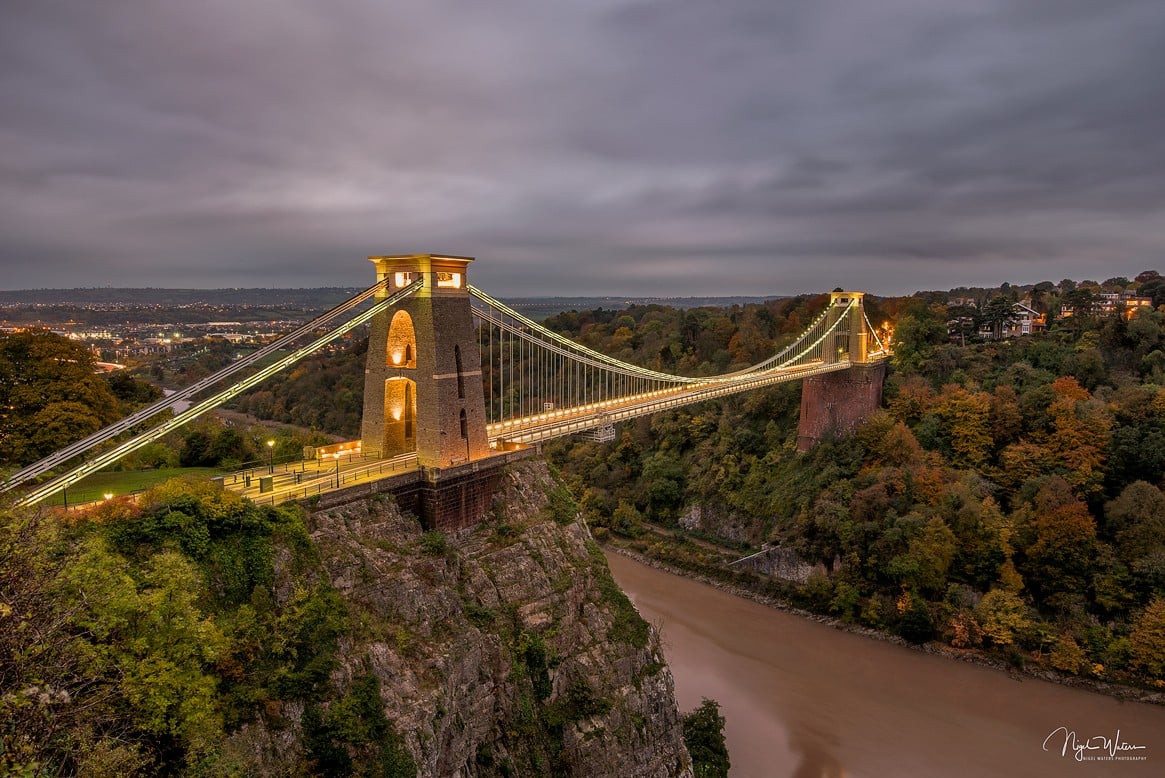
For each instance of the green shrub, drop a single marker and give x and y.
(704, 737)
(434, 543)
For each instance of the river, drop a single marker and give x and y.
(802, 699)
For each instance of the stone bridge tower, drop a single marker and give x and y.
(836, 403)
(422, 381)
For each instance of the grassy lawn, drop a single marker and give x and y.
(98, 485)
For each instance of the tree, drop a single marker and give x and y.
(927, 558)
(1021, 463)
(1154, 289)
(1148, 639)
(704, 737)
(51, 680)
(1067, 655)
(229, 447)
(132, 391)
(49, 395)
(1083, 302)
(968, 416)
(999, 314)
(1136, 522)
(169, 652)
(196, 450)
(1002, 615)
(890, 442)
(663, 477)
(1058, 545)
(914, 339)
(1079, 438)
(626, 520)
(1006, 419)
(917, 626)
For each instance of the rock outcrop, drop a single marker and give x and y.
(722, 522)
(505, 651)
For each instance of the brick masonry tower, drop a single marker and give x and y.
(422, 381)
(836, 403)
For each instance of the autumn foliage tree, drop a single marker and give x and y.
(49, 395)
(1148, 639)
(1058, 542)
(968, 415)
(1078, 440)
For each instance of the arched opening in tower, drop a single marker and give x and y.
(402, 342)
(400, 416)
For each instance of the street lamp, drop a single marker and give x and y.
(270, 456)
(336, 456)
(109, 495)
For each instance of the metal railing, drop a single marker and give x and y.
(324, 480)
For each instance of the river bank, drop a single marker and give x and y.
(934, 648)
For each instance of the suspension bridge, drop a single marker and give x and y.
(455, 378)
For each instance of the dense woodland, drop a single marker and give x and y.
(1008, 497)
(134, 640)
(323, 392)
(50, 396)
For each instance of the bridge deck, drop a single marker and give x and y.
(552, 424)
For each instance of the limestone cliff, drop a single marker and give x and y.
(721, 521)
(505, 651)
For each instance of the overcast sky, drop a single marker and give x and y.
(671, 147)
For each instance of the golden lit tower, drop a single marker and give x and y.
(422, 382)
(852, 338)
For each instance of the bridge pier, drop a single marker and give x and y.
(448, 499)
(837, 403)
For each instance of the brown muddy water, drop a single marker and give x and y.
(805, 700)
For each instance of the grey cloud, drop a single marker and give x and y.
(601, 146)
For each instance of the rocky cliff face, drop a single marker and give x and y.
(720, 521)
(506, 651)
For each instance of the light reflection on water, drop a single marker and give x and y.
(804, 700)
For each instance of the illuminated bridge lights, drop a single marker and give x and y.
(538, 384)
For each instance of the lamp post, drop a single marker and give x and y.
(336, 456)
(270, 457)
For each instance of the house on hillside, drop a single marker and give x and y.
(1107, 303)
(1132, 304)
(1028, 320)
(1024, 321)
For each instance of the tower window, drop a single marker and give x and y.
(464, 426)
(448, 280)
(460, 378)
